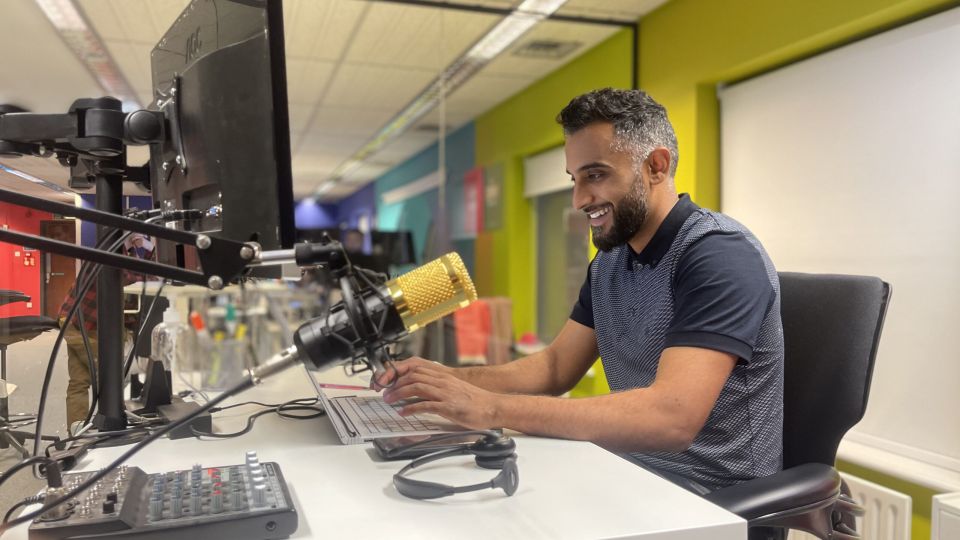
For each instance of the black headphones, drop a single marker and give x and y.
(493, 451)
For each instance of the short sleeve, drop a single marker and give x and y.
(722, 294)
(583, 308)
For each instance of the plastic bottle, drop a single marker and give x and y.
(173, 342)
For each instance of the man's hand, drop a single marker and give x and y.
(438, 391)
(384, 380)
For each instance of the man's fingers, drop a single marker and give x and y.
(414, 390)
(422, 407)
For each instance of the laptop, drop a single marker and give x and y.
(360, 415)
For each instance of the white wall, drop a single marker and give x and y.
(849, 162)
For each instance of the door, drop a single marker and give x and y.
(563, 246)
(59, 272)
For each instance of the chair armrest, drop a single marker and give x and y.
(794, 488)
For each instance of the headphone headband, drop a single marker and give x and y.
(490, 454)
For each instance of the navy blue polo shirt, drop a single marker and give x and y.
(704, 281)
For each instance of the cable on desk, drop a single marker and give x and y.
(26, 502)
(300, 401)
(281, 410)
(22, 464)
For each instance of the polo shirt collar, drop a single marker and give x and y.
(663, 238)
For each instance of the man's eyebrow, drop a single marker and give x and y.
(591, 165)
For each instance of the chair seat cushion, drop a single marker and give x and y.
(14, 329)
(793, 488)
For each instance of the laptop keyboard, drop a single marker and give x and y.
(372, 414)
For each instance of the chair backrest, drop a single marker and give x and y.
(831, 330)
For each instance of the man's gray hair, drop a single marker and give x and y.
(640, 124)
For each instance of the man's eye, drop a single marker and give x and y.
(594, 176)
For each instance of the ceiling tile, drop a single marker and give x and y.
(363, 121)
(163, 13)
(404, 147)
(327, 144)
(321, 30)
(135, 21)
(382, 87)
(415, 36)
(307, 80)
(299, 116)
(587, 35)
(103, 18)
(130, 58)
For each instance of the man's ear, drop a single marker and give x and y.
(659, 163)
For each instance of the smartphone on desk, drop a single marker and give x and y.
(401, 447)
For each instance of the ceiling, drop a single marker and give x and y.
(352, 65)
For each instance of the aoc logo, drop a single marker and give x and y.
(193, 45)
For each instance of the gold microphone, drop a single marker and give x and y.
(432, 291)
(386, 312)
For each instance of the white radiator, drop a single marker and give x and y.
(888, 512)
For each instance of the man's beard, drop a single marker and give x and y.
(627, 217)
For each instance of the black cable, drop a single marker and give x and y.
(26, 502)
(81, 292)
(280, 410)
(98, 437)
(78, 300)
(22, 464)
(300, 401)
(239, 387)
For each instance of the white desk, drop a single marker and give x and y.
(567, 489)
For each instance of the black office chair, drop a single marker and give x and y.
(13, 330)
(831, 330)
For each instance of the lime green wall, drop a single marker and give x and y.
(524, 125)
(688, 46)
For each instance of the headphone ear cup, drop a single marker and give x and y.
(493, 462)
(491, 453)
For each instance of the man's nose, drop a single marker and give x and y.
(581, 197)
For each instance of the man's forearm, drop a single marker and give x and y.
(528, 375)
(626, 422)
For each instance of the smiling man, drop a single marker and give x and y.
(681, 304)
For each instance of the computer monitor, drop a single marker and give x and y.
(394, 246)
(219, 73)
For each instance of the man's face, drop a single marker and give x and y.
(605, 185)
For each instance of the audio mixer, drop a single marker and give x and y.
(248, 501)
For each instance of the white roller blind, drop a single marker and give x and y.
(545, 173)
(849, 162)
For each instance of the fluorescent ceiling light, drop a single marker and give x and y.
(34, 179)
(492, 44)
(76, 32)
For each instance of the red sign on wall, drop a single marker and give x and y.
(473, 201)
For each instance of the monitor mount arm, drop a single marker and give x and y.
(91, 140)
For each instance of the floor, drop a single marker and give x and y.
(26, 365)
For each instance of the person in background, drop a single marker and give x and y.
(78, 370)
(681, 303)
